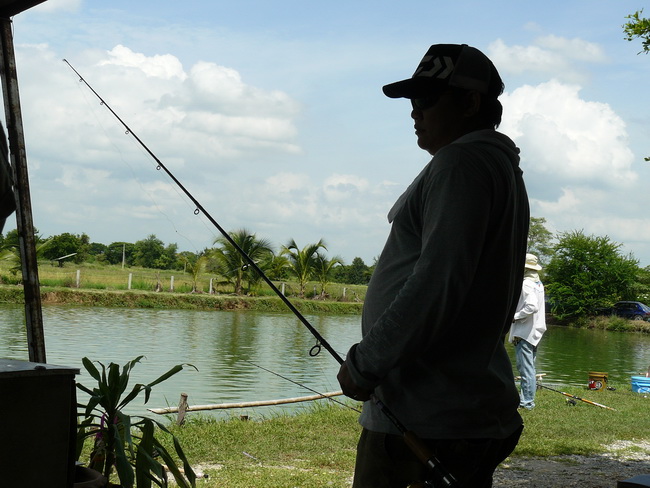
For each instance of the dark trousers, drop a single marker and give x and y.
(385, 461)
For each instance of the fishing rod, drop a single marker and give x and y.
(577, 397)
(443, 477)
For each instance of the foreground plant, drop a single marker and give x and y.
(126, 442)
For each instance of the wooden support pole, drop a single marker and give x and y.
(25, 226)
(182, 408)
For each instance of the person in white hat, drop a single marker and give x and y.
(441, 298)
(527, 330)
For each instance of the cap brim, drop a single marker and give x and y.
(413, 88)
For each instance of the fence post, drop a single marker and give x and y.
(344, 290)
(78, 277)
(171, 283)
(130, 280)
(282, 289)
(211, 289)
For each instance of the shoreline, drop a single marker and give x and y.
(184, 301)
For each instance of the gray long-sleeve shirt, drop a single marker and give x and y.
(442, 297)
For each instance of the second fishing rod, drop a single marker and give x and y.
(440, 476)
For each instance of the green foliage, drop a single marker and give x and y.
(638, 27)
(356, 273)
(152, 253)
(65, 244)
(324, 268)
(117, 252)
(587, 273)
(277, 267)
(195, 268)
(127, 443)
(539, 240)
(11, 238)
(231, 264)
(12, 255)
(302, 262)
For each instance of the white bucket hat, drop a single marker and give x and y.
(531, 262)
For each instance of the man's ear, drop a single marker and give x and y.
(472, 103)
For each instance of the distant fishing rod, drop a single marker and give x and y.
(442, 477)
(577, 397)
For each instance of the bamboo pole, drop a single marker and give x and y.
(261, 403)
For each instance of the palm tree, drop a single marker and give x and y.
(323, 270)
(232, 264)
(11, 253)
(195, 268)
(302, 262)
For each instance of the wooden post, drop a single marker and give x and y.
(171, 284)
(283, 289)
(130, 280)
(211, 289)
(25, 225)
(78, 278)
(182, 408)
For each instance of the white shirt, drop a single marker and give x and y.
(530, 320)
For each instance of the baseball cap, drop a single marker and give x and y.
(449, 65)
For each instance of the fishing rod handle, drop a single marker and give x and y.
(424, 454)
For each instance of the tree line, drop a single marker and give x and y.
(309, 263)
(581, 273)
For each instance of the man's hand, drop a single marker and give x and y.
(348, 386)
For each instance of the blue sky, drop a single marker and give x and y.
(272, 115)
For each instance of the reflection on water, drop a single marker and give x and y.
(216, 342)
(219, 344)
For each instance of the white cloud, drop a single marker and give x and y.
(567, 138)
(205, 114)
(341, 188)
(579, 169)
(163, 66)
(576, 49)
(551, 56)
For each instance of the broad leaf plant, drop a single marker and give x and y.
(126, 443)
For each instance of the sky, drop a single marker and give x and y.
(271, 114)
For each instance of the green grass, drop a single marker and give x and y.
(555, 427)
(316, 447)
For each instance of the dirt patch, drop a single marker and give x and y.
(623, 461)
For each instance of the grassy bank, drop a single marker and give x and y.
(107, 277)
(316, 448)
(187, 301)
(112, 286)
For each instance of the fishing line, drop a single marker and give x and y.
(301, 385)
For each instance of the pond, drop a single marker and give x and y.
(226, 346)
